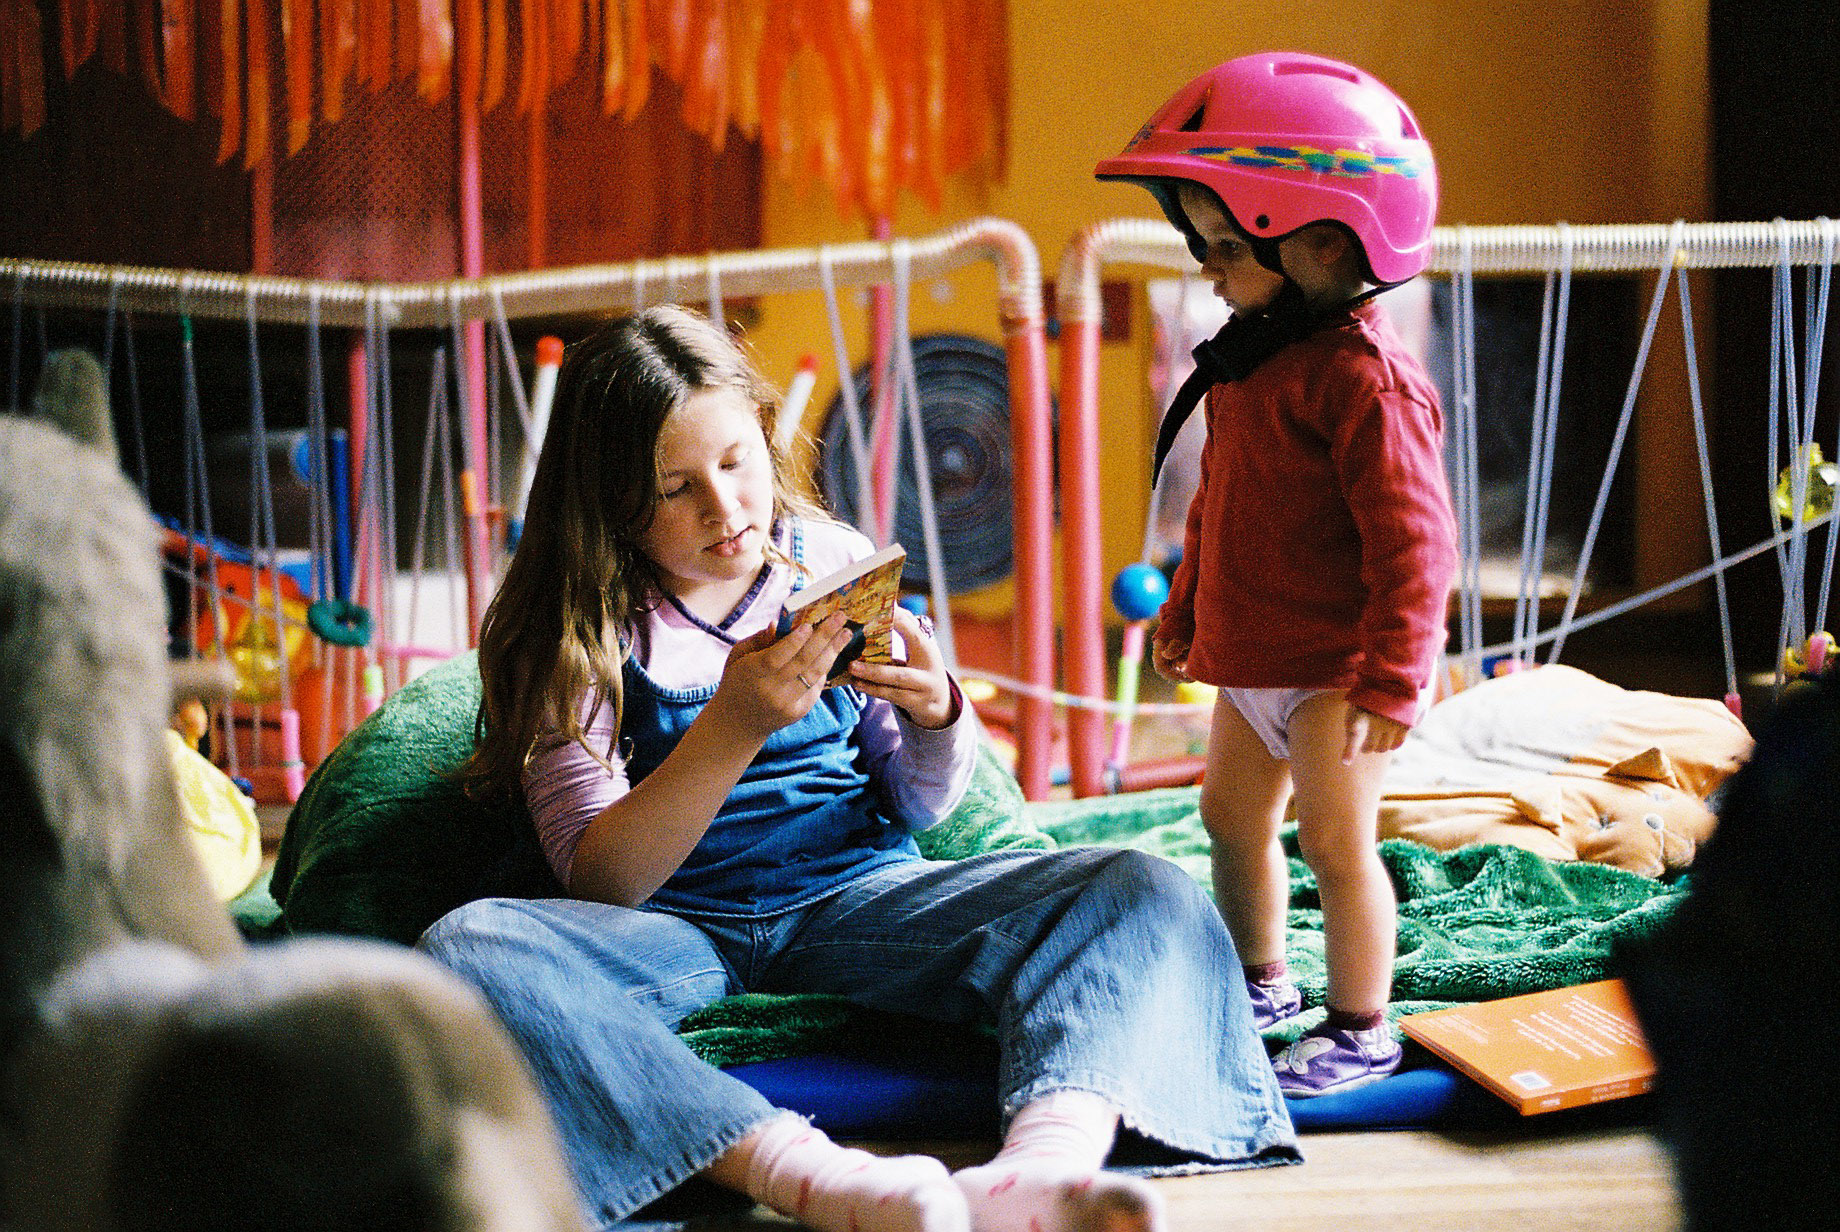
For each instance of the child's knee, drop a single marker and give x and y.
(1335, 858)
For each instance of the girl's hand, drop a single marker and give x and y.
(771, 681)
(921, 687)
(1371, 733)
(1169, 656)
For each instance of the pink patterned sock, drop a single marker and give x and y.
(1049, 1175)
(800, 1172)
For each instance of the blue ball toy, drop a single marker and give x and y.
(914, 603)
(1138, 591)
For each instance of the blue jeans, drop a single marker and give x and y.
(1103, 970)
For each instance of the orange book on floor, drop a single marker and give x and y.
(1544, 1051)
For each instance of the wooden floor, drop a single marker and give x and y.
(1603, 1180)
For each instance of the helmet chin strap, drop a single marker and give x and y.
(1246, 341)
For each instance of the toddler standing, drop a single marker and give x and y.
(1320, 544)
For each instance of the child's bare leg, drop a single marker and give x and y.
(1242, 806)
(798, 1171)
(1338, 810)
(1049, 1175)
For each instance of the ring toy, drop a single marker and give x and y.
(340, 622)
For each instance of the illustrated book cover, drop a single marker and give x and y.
(1544, 1051)
(865, 591)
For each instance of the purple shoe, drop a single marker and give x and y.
(1325, 1060)
(1273, 1003)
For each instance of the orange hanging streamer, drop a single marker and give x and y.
(779, 39)
(931, 163)
(9, 67)
(376, 53)
(179, 52)
(435, 55)
(706, 88)
(670, 20)
(68, 38)
(870, 97)
(297, 69)
(533, 44)
(338, 52)
(497, 53)
(747, 22)
(229, 107)
(112, 34)
(256, 142)
(408, 38)
(874, 112)
(146, 45)
(638, 59)
(469, 50)
(565, 20)
(613, 58)
(22, 67)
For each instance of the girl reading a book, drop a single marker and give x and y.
(726, 823)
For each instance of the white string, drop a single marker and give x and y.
(264, 542)
(852, 412)
(923, 472)
(436, 444)
(712, 274)
(199, 531)
(1555, 313)
(321, 535)
(503, 327)
(1792, 561)
(1819, 332)
(386, 494)
(1691, 359)
(1468, 480)
(135, 421)
(1616, 450)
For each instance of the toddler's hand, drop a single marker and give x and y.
(1371, 733)
(770, 681)
(921, 687)
(1169, 656)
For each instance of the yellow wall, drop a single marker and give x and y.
(1539, 111)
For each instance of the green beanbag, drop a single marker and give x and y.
(383, 841)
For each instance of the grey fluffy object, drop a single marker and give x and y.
(86, 698)
(73, 394)
(155, 1073)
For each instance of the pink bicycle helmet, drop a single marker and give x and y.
(1287, 139)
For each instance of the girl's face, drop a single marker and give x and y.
(708, 536)
(1237, 276)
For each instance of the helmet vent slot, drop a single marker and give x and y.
(1285, 68)
(1194, 123)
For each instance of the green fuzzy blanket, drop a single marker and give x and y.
(382, 843)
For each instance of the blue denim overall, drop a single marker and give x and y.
(802, 820)
(1102, 970)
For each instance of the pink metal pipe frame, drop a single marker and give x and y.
(1077, 300)
(604, 288)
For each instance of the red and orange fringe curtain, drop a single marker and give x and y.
(867, 96)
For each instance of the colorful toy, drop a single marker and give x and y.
(1137, 592)
(1819, 480)
(1800, 664)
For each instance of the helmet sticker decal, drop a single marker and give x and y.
(1351, 163)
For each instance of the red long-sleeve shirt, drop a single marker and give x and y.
(1320, 544)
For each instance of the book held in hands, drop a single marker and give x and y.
(1543, 1051)
(865, 591)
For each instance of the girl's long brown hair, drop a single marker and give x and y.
(578, 580)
